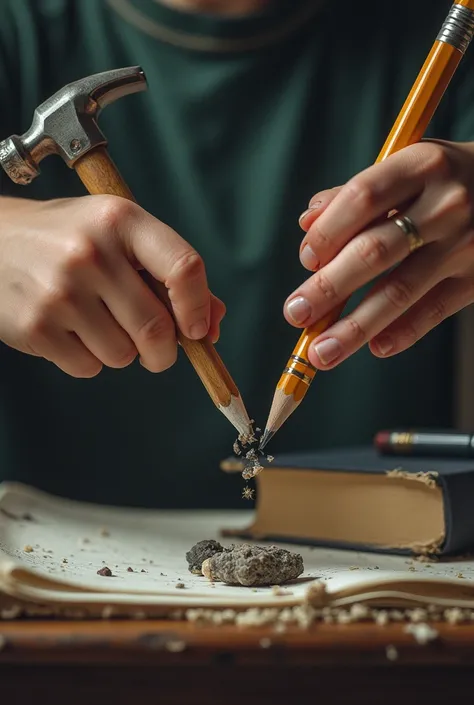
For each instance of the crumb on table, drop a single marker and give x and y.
(105, 571)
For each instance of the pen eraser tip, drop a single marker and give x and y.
(381, 439)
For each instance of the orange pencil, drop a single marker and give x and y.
(410, 126)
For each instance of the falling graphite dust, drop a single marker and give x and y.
(246, 446)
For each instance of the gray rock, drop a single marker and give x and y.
(252, 566)
(199, 552)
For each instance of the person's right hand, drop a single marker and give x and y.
(70, 290)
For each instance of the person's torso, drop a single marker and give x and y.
(227, 146)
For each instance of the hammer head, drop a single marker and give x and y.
(66, 123)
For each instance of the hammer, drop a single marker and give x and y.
(66, 124)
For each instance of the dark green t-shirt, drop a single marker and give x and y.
(244, 120)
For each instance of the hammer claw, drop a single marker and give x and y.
(66, 123)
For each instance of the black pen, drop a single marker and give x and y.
(440, 444)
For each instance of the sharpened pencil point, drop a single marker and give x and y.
(267, 436)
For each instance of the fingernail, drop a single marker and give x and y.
(308, 259)
(313, 207)
(328, 350)
(384, 344)
(298, 309)
(198, 330)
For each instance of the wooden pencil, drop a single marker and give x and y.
(410, 126)
(99, 175)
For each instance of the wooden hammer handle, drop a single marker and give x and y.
(99, 175)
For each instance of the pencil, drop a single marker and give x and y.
(410, 126)
(99, 175)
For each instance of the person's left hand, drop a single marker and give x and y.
(349, 241)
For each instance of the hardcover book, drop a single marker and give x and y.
(356, 498)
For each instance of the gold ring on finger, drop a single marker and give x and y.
(409, 229)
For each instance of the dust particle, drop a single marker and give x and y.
(422, 633)
(105, 572)
(176, 646)
(12, 612)
(248, 493)
(391, 652)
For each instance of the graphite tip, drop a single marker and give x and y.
(267, 436)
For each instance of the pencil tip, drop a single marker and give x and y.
(267, 436)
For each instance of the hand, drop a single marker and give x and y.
(70, 290)
(349, 241)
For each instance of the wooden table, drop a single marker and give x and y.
(175, 663)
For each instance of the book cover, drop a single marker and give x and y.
(400, 505)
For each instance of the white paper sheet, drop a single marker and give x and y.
(71, 541)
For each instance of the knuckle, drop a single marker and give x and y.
(362, 192)
(197, 312)
(111, 211)
(356, 332)
(159, 326)
(436, 161)
(55, 296)
(399, 293)
(192, 307)
(53, 300)
(79, 253)
(123, 359)
(188, 265)
(321, 285)
(437, 311)
(372, 251)
(34, 329)
(458, 201)
(318, 238)
(408, 334)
